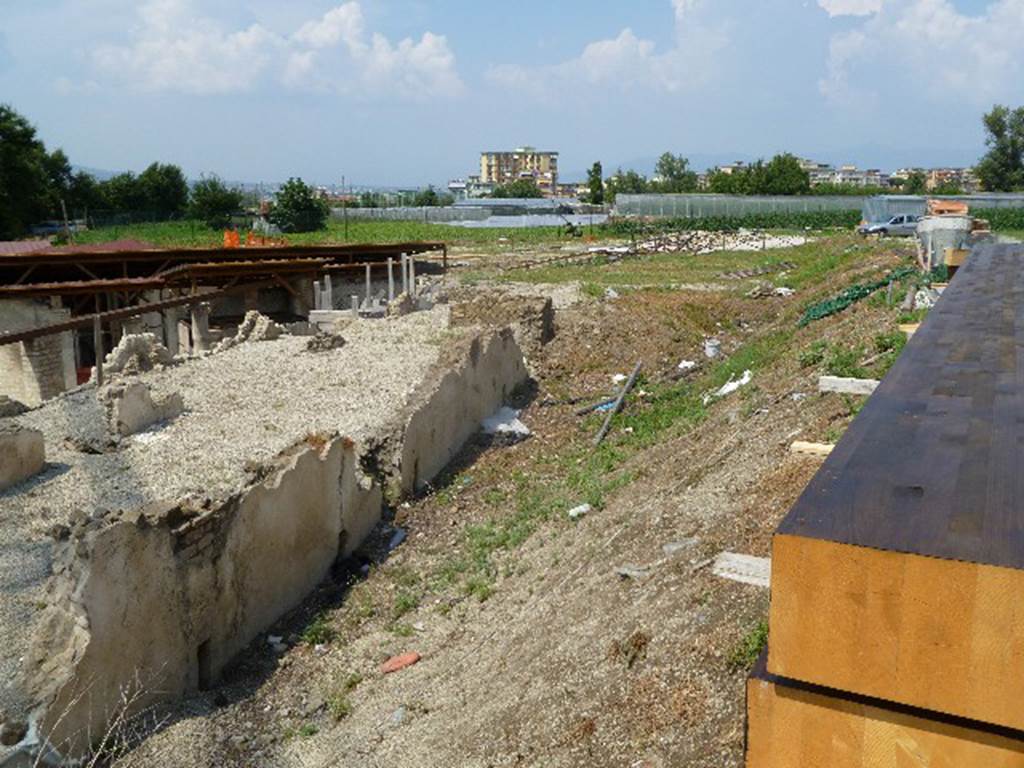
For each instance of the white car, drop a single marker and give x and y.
(897, 226)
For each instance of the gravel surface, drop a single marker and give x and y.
(243, 405)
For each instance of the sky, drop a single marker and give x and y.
(408, 92)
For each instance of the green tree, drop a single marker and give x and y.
(723, 183)
(626, 183)
(674, 174)
(784, 176)
(164, 190)
(916, 184)
(517, 189)
(25, 193)
(213, 201)
(122, 193)
(298, 209)
(948, 188)
(595, 183)
(84, 195)
(1002, 167)
(426, 198)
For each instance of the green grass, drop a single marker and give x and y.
(582, 474)
(749, 648)
(845, 362)
(405, 602)
(319, 631)
(585, 475)
(339, 707)
(813, 262)
(196, 234)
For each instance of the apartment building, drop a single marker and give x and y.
(963, 178)
(819, 173)
(521, 163)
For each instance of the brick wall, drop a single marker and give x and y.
(36, 370)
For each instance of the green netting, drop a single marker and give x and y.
(850, 296)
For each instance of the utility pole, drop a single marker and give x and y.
(344, 205)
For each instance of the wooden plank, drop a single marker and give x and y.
(899, 570)
(847, 386)
(745, 569)
(956, 257)
(942, 635)
(910, 328)
(932, 463)
(792, 725)
(819, 450)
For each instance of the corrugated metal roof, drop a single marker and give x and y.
(113, 245)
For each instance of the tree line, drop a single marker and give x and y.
(1001, 169)
(37, 185)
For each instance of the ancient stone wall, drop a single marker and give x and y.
(34, 371)
(153, 603)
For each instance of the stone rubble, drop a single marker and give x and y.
(255, 327)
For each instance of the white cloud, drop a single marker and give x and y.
(630, 62)
(928, 47)
(851, 7)
(176, 49)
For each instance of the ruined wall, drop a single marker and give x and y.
(449, 408)
(156, 602)
(36, 370)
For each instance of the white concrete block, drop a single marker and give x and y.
(22, 454)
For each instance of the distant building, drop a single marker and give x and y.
(819, 173)
(469, 188)
(572, 189)
(900, 175)
(963, 178)
(521, 163)
(731, 168)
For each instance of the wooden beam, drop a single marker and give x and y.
(932, 633)
(956, 257)
(24, 275)
(847, 386)
(121, 314)
(910, 328)
(793, 725)
(818, 450)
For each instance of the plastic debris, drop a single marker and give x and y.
(926, 298)
(505, 423)
(687, 365)
(396, 538)
(728, 388)
(578, 513)
(611, 293)
(712, 348)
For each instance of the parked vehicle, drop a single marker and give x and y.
(897, 226)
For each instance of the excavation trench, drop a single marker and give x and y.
(151, 602)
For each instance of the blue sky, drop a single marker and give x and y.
(408, 92)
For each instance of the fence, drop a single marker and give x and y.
(701, 206)
(437, 214)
